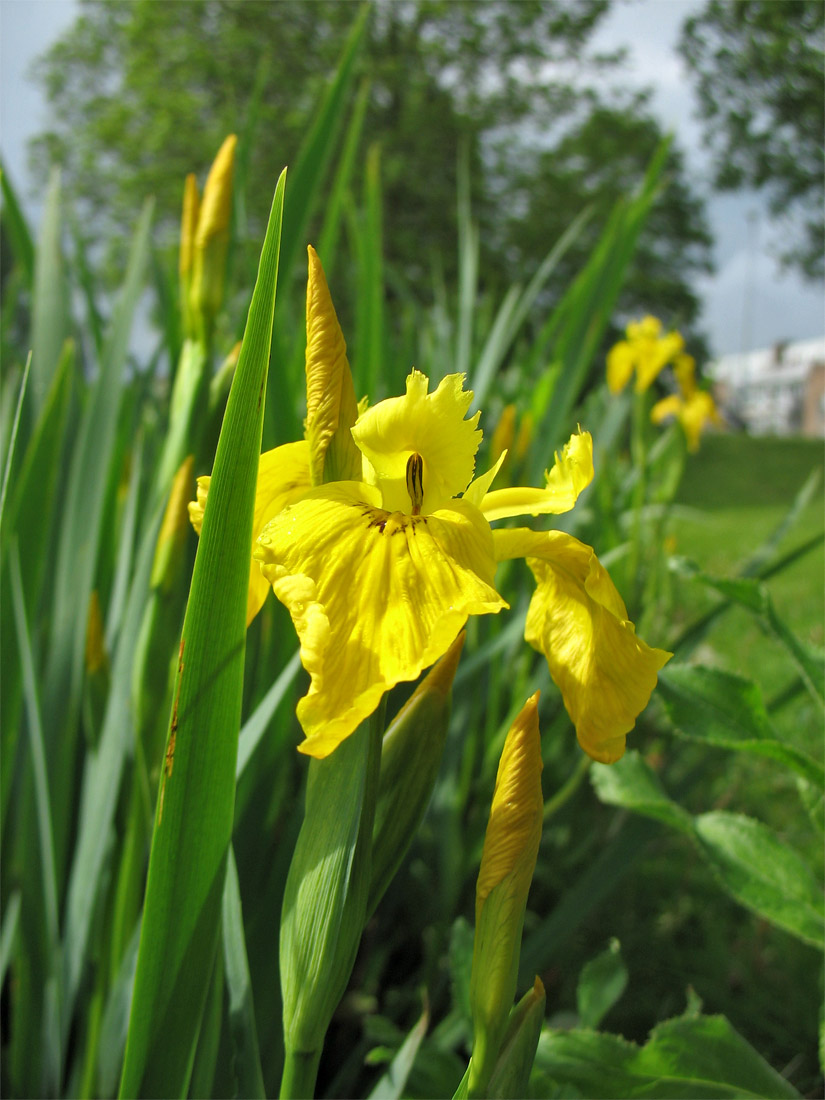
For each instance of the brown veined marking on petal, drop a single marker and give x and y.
(173, 730)
(415, 481)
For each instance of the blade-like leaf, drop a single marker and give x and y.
(49, 308)
(193, 823)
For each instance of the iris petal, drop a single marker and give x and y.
(375, 596)
(578, 620)
(429, 424)
(283, 477)
(571, 473)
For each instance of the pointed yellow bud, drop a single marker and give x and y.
(331, 405)
(507, 864)
(95, 647)
(213, 220)
(514, 829)
(174, 529)
(503, 435)
(188, 225)
(212, 238)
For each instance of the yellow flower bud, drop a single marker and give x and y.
(212, 237)
(507, 864)
(188, 226)
(331, 405)
(174, 528)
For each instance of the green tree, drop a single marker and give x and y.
(595, 163)
(759, 68)
(143, 92)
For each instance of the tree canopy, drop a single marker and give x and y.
(759, 68)
(141, 93)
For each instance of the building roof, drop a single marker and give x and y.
(783, 363)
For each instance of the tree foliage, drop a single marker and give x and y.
(759, 70)
(142, 92)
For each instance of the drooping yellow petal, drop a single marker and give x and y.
(374, 596)
(698, 410)
(571, 473)
(331, 406)
(620, 363)
(429, 424)
(579, 622)
(668, 406)
(283, 478)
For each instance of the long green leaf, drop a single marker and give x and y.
(15, 225)
(247, 1060)
(193, 823)
(77, 551)
(10, 449)
(49, 307)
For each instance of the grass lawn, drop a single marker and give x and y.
(741, 488)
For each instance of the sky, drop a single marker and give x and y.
(748, 303)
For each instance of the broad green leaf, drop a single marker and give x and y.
(689, 1058)
(193, 823)
(711, 705)
(632, 784)
(49, 321)
(247, 1058)
(763, 873)
(602, 981)
(257, 723)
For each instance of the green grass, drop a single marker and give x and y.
(741, 489)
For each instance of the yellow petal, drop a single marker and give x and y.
(511, 843)
(478, 487)
(621, 360)
(375, 596)
(283, 477)
(648, 328)
(668, 406)
(684, 367)
(572, 472)
(431, 424)
(579, 622)
(653, 356)
(331, 405)
(698, 410)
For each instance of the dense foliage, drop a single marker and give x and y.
(759, 69)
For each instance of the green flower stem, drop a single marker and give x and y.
(300, 1072)
(638, 454)
(568, 788)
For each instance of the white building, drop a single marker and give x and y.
(774, 391)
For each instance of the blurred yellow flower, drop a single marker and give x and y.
(645, 351)
(692, 407)
(380, 571)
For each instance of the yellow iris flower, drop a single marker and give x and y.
(645, 351)
(693, 408)
(380, 572)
